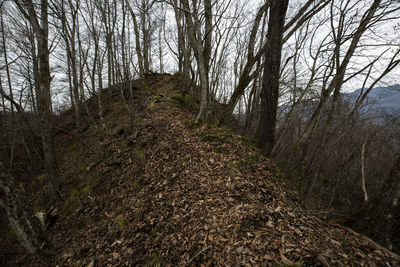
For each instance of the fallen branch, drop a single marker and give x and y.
(363, 171)
(371, 242)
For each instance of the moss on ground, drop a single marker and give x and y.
(154, 259)
(76, 196)
(184, 101)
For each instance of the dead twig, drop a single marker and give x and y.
(321, 213)
(201, 251)
(100, 153)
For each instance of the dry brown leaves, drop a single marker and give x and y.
(202, 196)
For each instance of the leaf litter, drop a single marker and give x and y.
(187, 194)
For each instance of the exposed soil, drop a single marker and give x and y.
(158, 189)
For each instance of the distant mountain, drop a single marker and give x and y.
(381, 100)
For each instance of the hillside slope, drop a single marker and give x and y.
(158, 189)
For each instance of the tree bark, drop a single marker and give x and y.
(195, 38)
(207, 35)
(270, 86)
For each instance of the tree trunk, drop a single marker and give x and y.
(46, 115)
(69, 35)
(270, 85)
(195, 38)
(7, 67)
(43, 91)
(137, 40)
(146, 37)
(184, 50)
(207, 35)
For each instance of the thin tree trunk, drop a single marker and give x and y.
(137, 39)
(194, 33)
(363, 171)
(146, 39)
(207, 35)
(183, 51)
(7, 67)
(43, 91)
(46, 116)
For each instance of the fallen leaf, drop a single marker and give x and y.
(117, 242)
(298, 232)
(210, 237)
(239, 249)
(115, 255)
(268, 257)
(286, 261)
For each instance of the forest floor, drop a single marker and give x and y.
(159, 189)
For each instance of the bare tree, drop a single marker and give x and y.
(69, 33)
(137, 40)
(337, 81)
(184, 51)
(4, 46)
(144, 8)
(202, 52)
(108, 12)
(27, 9)
(306, 12)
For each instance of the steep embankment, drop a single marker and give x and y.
(159, 189)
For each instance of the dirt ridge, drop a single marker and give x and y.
(183, 193)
